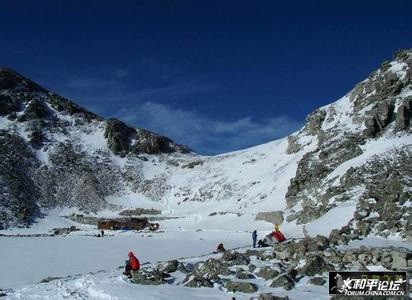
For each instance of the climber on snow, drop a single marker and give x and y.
(254, 238)
(220, 248)
(278, 235)
(132, 264)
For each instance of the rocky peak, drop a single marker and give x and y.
(11, 80)
(123, 139)
(377, 108)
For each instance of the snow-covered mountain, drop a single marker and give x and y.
(349, 165)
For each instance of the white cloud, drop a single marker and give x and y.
(205, 134)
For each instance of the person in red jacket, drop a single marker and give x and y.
(278, 235)
(132, 264)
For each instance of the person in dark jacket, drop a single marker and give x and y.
(262, 244)
(220, 248)
(254, 238)
(132, 264)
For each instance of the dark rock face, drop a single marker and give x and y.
(11, 80)
(61, 104)
(35, 110)
(151, 143)
(118, 136)
(8, 105)
(382, 115)
(18, 191)
(404, 114)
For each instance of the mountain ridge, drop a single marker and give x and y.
(79, 160)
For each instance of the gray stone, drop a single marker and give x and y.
(400, 260)
(241, 274)
(293, 216)
(235, 258)
(148, 276)
(283, 281)
(197, 281)
(241, 286)
(169, 267)
(269, 296)
(317, 281)
(274, 217)
(211, 268)
(316, 265)
(251, 268)
(404, 114)
(267, 272)
(182, 268)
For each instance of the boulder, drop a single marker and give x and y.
(148, 276)
(269, 296)
(267, 273)
(211, 268)
(283, 281)
(244, 287)
(194, 281)
(251, 268)
(241, 274)
(316, 265)
(293, 145)
(170, 266)
(317, 281)
(293, 216)
(400, 259)
(274, 217)
(182, 268)
(235, 258)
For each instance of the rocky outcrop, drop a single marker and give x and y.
(150, 143)
(123, 139)
(404, 114)
(8, 105)
(35, 109)
(11, 80)
(274, 217)
(118, 136)
(18, 190)
(376, 108)
(211, 269)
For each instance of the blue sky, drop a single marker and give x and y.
(214, 75)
